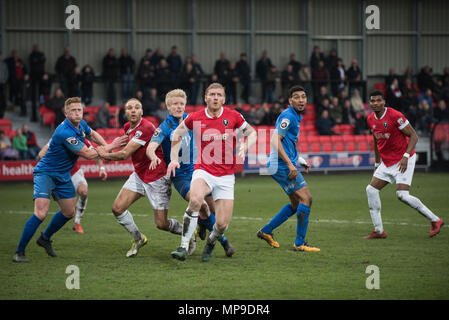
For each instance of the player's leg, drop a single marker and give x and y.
(41, 206)
(124, 200)
(381, 177)
(199, 189)
(403, 182)
(80, 184)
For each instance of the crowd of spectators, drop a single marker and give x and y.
(22, 146)
(339, 93)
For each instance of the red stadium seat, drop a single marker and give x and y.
(313, 139)
(315, 147)
(339, 147)
(381, 87)
(363, 146)
(5, 124)
(348, 138)
(336, 138)
(303, 147)
(359, 138)
(350, 146)
(324, 139)
(327, 147)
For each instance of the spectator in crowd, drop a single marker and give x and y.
(199, 74)
(261, 113)
(87, 84)
(6, 150)
(324, 105)
(440, 112)
(231, 87)
(331, 60)
(37, 69)
(146, 57)
(239, 109)
(273, 114)
(4, 75)
(424, 79)
(122, 116)
(357, 103)
(354, 76)
(16, 71)
(262, 67)
(152, 103)
(305, 78)
(394, 95)
(73, 83)
(156, 58)
(338, 77)
(86, 117)
(348, 113)
(27, 91)
(127, 70)
(289, 78)
(175, 63)
(273, 77)
(439, 91)
(315, 58)
(57, 105)
(425, 116)
(406, 86)
(33, 148)
(111, 69)
(408, 74)
(45, 88)
(336, 111)
(390, 77)
(296, 65)
(253, 116)
(244, 74)
(163, 79)
(186, 80)
(162, 113)
(409, 104)
(321, 95)
(320, 76)
(19, 143)
(65, 66)
(361, 126)
(342, 96)
(445, 77)
(147, 77)
(103, 116)
(426, 95)
(324, 125)
(221, 69)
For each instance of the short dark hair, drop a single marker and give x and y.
(294, 89)
(376, 93)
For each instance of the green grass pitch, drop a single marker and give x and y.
(411, 265)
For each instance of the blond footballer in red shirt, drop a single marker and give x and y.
(394, 144)
(142, 182)
(215, 135)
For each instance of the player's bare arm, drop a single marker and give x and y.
(97, 138)
(179, 132)
(87, 153)
(43, 151)
(103, 174)
(251, 133)
(276, 142)
(123, 154)
(413, 139)
(376, 153)
(151, 154)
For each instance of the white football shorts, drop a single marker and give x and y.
(222, 187)
(392, 174)
(158, 192)
(78, 179)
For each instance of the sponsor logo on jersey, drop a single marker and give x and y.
(157, 132)
(72, 140)
(284, 123)
(225, 122)
(138, 134)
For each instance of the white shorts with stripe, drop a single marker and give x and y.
(392, 174)
(78, 179)
(222, 187)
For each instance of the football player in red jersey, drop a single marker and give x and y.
(214, 129)
(143, 181)
(394, 144)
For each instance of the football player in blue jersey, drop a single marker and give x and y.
(283, 167)
(176, 102)
(52, 176)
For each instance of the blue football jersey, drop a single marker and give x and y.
(163, 136)
(64, 144)
(287, 125)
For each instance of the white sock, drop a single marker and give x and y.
(416, 204)
(374, 208)
(189, 225)
(81, 204)
(127, 221)
(215, 234)
(175, 227)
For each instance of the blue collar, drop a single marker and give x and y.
(176, 120)
(71, 126)
(292, 110)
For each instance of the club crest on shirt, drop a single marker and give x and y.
(385, 125)
(284, 123)
(225, 122)
(138, 134)
(72, 140)
(401, 121)
(157, 132)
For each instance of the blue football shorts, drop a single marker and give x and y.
(57, 186)
(289, 186)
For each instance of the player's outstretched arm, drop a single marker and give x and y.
(276, 142)
(413, 140)
(97, 138)
(251, 133)
(103, 174)
(179, 132)
(117, 143)
(376, 154)
(88, 153)
(151, 154)
(123, 154)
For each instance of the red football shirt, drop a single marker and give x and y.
(142, 134)
(391, 142)
(217, 136)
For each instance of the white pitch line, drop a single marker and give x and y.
(334, 221)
